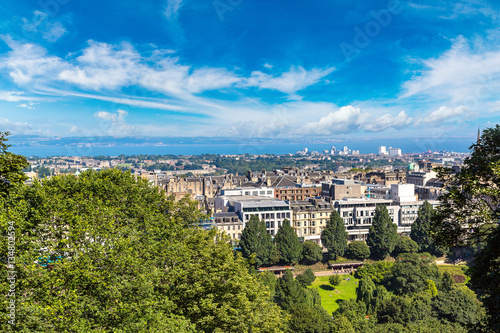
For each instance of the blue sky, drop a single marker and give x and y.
(241, 68)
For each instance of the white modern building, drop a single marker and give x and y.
(382, 150)
(261, 192)
(358, 215)
(394, 151)
(272, 211)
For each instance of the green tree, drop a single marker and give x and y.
(420, 230)
(460, 306)
(269, 280)
(307, 319)
(365, 292)
(334, 280)
(311, 252)
(382, 235)
(447, 281)
(288, 244)
(11, 167)
(404, 244)
(334, 236)
(376, 271)
(289, 292)
(43, 172)
(306, 278)
(471, 202)
(409, 276)
(256, 240)
(357, 250)
(342, 325)
(125, 258)
(485, 277)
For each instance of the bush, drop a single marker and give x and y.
(311, 252)
(307, 278)
(357, 250)
(334, 280)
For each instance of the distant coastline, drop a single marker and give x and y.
(253, 146)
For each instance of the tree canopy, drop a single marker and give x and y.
(334, 237)
(288, 244)
(11, 167)
(469, 214)
(383, 233)
(256, 240)
(311, 252)
(106, 252)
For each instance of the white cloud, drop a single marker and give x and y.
(104, 66)
(117, 125)
(388, 121)
(350, 119)
(16, 127)
(463, 75)
(444, 115)
(40, 24)
(29, 105)
(27, 62)
(346, 119)
(297, 78)
(12, 96)
(172, 9)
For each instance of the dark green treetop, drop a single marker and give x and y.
(311, 252)
(256, 240)
(288, 244)
(334, 237)
(382, 235)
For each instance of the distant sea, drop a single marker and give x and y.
(364, 147)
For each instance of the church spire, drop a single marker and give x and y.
(478, 135)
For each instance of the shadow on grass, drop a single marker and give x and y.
(326, 287)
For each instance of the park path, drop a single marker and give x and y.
(329, 272)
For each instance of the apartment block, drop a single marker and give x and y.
(310, 218)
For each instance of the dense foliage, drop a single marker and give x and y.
(357, 250)
(469, 214)
(288, 244)
(410, 296)
(255, 240)
(105, 252)
(334, 236)
(382, 235)
(311, 252)
(420, 231)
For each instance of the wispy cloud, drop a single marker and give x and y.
(297, 78)
(17, 127)
(117, 126)
(172, 9)
(462, 75)
(41, 24)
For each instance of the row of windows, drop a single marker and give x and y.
(233, 227)
(308, 231)
(258, 192)
(311, 223)
(267, 216)
(264, 209)
(312, 215)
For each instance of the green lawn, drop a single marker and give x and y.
(329, 296)
(455, 270)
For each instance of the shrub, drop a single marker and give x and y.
(334, 280)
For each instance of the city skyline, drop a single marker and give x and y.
(386, 69)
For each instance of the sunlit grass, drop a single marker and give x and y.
(329, 295)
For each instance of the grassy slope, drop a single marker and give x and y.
(454, 270)
(329, 296)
